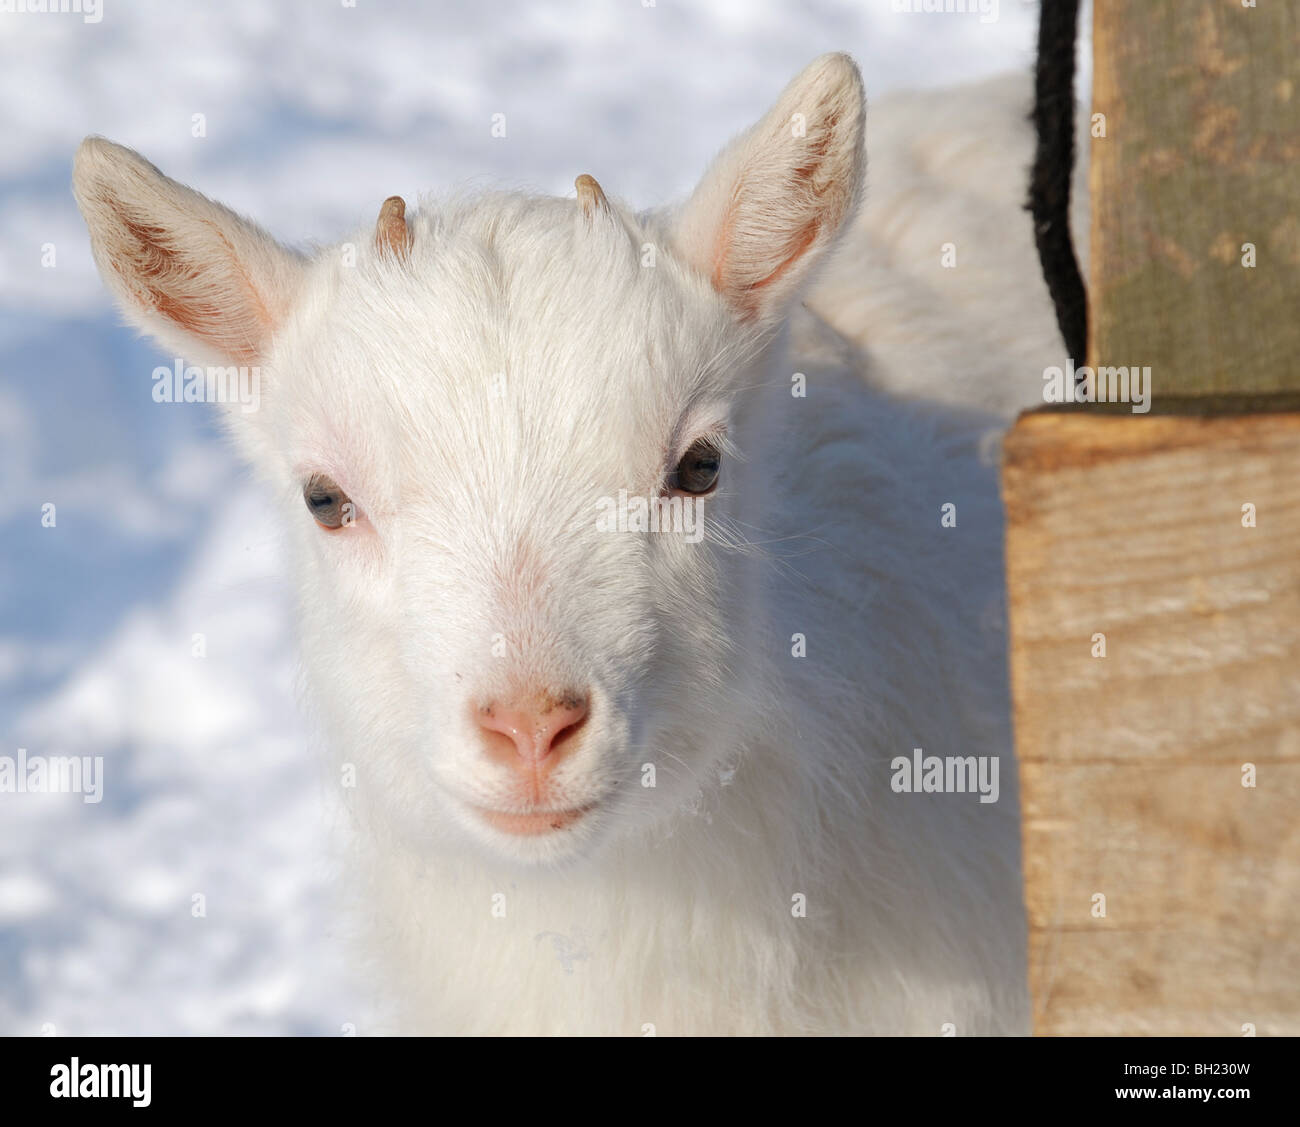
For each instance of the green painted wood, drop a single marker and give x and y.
(1201, 155)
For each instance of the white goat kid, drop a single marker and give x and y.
(610, 779)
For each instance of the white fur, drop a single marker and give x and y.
(476, 400)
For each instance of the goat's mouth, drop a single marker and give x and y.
(532, 823)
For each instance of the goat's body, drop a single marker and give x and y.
(846, 609)
(913, 915)
(913, 905)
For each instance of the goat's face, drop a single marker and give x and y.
(502, 436)
(520, 619)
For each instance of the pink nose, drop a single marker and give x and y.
(533, 732)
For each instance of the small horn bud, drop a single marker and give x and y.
(391, 232)
(590, 197)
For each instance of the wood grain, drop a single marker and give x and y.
(1131, 764)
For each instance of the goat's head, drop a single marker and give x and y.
(473, 419)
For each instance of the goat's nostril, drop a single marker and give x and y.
(497, 744)
(530, 731)
(569, 731)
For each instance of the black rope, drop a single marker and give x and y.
(1049, 186)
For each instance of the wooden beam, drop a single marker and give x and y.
(1132, 763)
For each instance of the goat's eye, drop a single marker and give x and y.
(697, 472)
(327, 503)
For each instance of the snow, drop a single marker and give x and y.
(313, 113)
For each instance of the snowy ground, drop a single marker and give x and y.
(313, 112)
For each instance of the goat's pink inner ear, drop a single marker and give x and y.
(150, 262)
(206, 283)
(775, 200)
(746, 294)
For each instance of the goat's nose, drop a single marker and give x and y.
(533, 731)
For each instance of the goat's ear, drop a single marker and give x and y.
(207, 284)
(777, 197)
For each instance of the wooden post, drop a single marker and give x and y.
(1153, 560)
(1195, 177)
